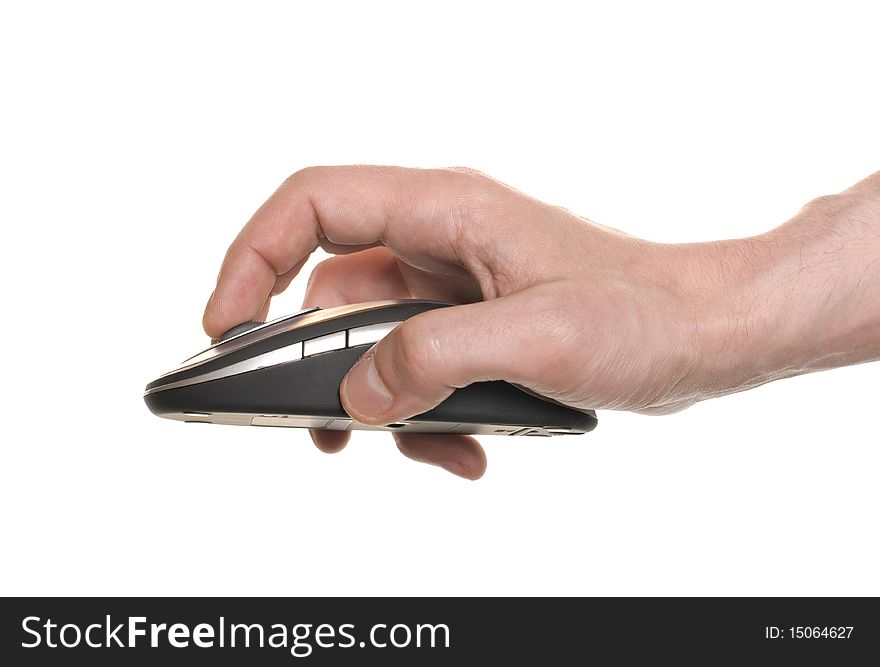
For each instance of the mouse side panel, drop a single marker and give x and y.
(310, 388)
(501, 403)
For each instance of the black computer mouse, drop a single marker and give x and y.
(287, 373)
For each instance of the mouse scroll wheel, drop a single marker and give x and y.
(238, 329)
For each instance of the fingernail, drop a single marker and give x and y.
(454, 467)
(364, 391)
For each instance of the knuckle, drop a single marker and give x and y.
(475, 174)
(323, 270)
(327, 265)
(472, 186)
(476, 198)
(416, 354)
(296, 177)
(301, 178)
(304, 173)
(562, 320)
(565, 329)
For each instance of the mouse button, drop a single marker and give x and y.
(332, 341)
(370, 333)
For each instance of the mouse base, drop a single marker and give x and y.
(338, 424)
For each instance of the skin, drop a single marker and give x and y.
(659, 327)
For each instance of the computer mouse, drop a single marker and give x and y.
(286, 372)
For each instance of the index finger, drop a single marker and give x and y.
(414, 212)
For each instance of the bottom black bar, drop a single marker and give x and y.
(391, 631)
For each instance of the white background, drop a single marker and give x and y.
(137, 139)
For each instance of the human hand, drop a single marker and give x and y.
(566, 308)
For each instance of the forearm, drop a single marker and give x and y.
(802, 297)
(828, 268)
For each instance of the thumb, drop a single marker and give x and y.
(422, 361)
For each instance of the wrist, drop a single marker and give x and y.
(742, 337)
